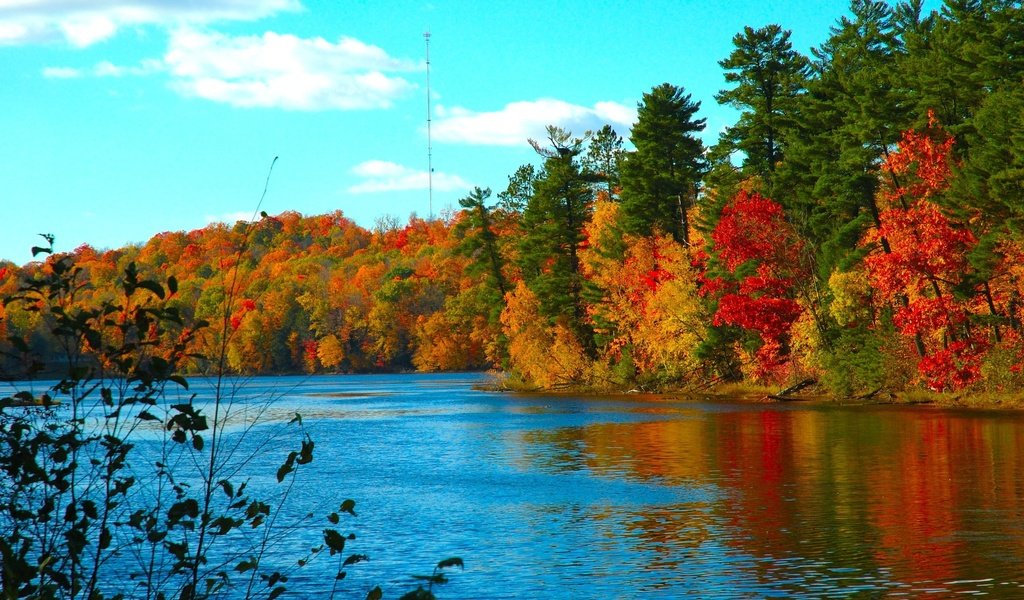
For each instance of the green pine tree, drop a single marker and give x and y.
(661, 179)
(768, 78)
(553, 223)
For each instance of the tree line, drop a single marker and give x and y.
(859, 224)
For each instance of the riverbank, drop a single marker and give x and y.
(811, 392)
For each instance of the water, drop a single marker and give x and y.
(648, 497)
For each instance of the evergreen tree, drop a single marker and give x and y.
(602, 159)
(479, 239)
(956, 58)
(849, 120)
(519, 190)
(988, 191)
(769, 76)
(553, 222)
(660, 180)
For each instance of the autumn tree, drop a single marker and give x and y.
(542, 353)
(647, 315)
(925, 262)
(758, 255)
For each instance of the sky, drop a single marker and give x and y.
(120, 119)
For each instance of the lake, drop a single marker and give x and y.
(650, 497)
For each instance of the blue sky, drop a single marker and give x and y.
(125, 118)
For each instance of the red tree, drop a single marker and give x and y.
(926, 259)
(760, 252)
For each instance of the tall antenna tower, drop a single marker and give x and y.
(430, 148)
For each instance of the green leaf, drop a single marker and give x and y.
(185, 508)
(147, 416)
(348, 506)
(152, 286)
(334, 540)
(89, 508)
(256, 508)
(283, 470)
(105, 538)
(177, 550)
(306, 454)
(172, 284)
(197, 442)
(224, 524)
(375, 594)
(355, 558)
(454, 561)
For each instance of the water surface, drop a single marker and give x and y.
(646, 497)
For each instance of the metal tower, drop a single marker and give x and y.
(430, 149)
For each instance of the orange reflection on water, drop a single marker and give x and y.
(917, 495)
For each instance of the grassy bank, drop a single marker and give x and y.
(762, 393)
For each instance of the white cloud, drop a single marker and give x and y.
(230, 218)
(384, 176)
(61, 73)
(85, 22)
(105, 69)
(88, 29)
(519, 121)
(284, 71)
(145, 67)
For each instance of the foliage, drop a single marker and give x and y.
(760, 255)
(645, 307)
(660, 179)
(889, 253)
(769, 77)
(553, 221)
(91, 506)
(926, 258)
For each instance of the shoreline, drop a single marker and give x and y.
(809, 394)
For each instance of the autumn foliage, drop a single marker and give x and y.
(760, 256)
(921, 268)
(935, 289)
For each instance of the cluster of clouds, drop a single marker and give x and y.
(284, 71)
(519, 121)
(269, 71)
(83, 23)
(385, 176)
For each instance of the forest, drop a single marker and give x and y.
(859, 225)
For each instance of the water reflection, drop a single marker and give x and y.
(812, 499)
(634, 497)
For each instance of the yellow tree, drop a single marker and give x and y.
(646, 308)
(544, 355)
